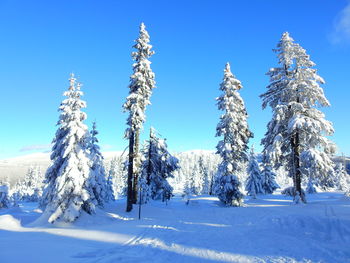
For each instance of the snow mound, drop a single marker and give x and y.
(8, 222)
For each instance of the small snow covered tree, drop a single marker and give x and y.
(233, 148)
(311, 186)
(141, 85)
(4, 200)
(254, 180)
(157, 167)
(343, 179)
(204, 176)
(117, 176)
(102, 190)
(269, 184)
(296, 135)
(69, 189)
(31, 187)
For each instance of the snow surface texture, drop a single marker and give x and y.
(268, 229)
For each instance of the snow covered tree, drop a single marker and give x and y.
(4, 200)
(69, 189)
(343, 179)
(117, 176)
(269, 184)
(233, 148)
(311, 186)
(31, 187)
(141, 85)
(102, 190)
(296, 135)
(204, 176)
(254, 180)
(157, 167)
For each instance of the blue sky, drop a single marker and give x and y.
(43, 41)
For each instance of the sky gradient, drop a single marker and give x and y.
(43, 41)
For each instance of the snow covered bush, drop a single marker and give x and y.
(290, 191)
(233, 147)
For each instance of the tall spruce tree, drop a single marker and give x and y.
(233, 147)
(69, 189)
(102, 190)
(141, 85)
(296, 135)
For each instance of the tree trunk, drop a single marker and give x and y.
(129, 200)
(296, 163)
(136, 169)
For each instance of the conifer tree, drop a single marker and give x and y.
(233, 147)
(295, 136)
(30, 189)
(117, 176)
(157, 167)
(4, 200)
(141, 85)
(269, 184)
(254, 180)
(102, 190)
(343, 179)
(69, 188)
(204, 175)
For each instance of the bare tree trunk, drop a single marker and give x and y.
(129, 200)
(296, 163)
(136, 169)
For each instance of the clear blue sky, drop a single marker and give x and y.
(41, 42)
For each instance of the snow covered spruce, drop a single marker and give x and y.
(102, 188)
(73, 181)
(4, 199)
(296, 135)
(158, 166)
(255, 180)
(233, 147)
(141, 85)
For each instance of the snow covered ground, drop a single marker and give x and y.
(269, 229)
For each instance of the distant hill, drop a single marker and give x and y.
(17, 167)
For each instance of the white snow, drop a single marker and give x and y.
(267, 229)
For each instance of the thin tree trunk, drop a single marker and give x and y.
(129, 200)
(136, 169)
(296, 163)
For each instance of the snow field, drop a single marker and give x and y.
(267, 229)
